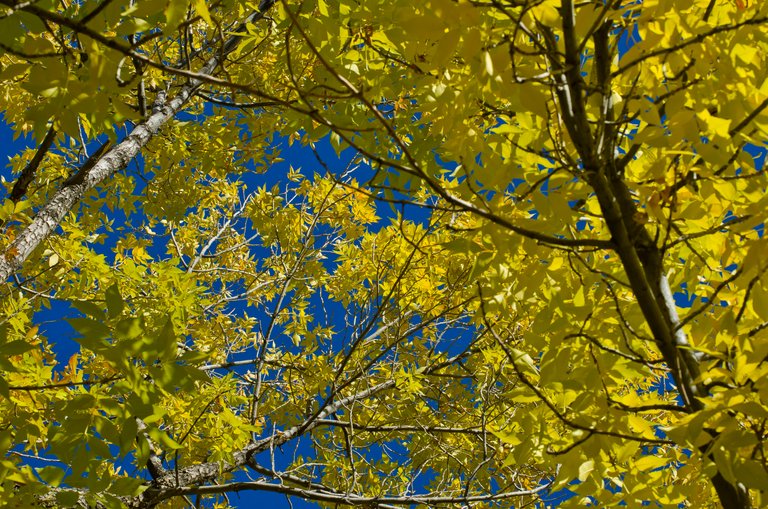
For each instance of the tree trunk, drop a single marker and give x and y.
(115, 159)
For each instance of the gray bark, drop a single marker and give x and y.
(115, 159)
(167, 486)
(641, 257)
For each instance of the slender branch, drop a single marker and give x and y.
(749, 118)
(711, 300)
(28, 173)
(114, 159)
(351, 499)
(416, 170)
(709, 231)
(513, 359)
(687, 42)
(95, 12)
(404, 428)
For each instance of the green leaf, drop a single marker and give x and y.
(175, 13)
(129, 328)
(15, 348)
(482, 261)
(165, 344)
(88, 308)
(115, 303)
(752, 474)
(202, 9)
(67, 498)
(92, 332)
(51, 475)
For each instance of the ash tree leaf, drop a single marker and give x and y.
(115, 304)
(15, 348)
(93, 334)
(88, 308)
(51, 475)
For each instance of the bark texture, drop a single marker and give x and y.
(113, 160)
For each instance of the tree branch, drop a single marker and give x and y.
(28, 173)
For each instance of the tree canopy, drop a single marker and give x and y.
(522, 256)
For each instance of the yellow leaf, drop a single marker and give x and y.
(547, 14)
(578, 299)
(650, 462)
(585, 469)
(743, 52)
(322, 6)
(715, 125)
(202, 9)
(556, 263)
(488, 63)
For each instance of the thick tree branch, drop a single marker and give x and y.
(413, 168)
(353, 499)
(114, 160)
(402, 428)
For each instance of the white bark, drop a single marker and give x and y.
(205, 472)
(115, 159)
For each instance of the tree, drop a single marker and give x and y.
(579, 167)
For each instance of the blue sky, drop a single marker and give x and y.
(53, 319)
(54, 325)
(53, 322)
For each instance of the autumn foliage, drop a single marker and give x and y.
(451, 253)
